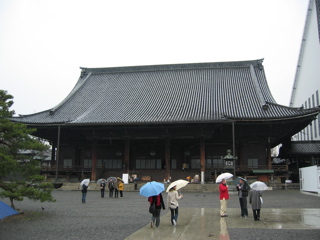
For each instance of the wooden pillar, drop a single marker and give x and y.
(126, 155)
(234, 150)
(94, 161)
(53, 154)
(269, 154)
(202, 158)
(58, 156)
(167, 158)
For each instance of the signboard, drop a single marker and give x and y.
(288, 181)
(125, 178)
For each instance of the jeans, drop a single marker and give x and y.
(174, 214)
(84, 194)
(102, 193)
(243, 206)
(156, 216)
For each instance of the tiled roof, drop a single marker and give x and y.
(305, 147)
(176, 93)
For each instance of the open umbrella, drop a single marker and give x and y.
(179, 184)
(113, 179)
(6, 210)
(151, 189)
(100, 181)
(237, 180)
(85, 182)
(223, 176)
(259, 186)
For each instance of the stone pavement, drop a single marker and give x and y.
(285, 215)
(205, 223)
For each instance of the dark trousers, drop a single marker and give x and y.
(102, 192)
(116, 192)
(256, 214)
(156, 217)
(174, 214)
(111, 192)
(121, 193)
(243, 206)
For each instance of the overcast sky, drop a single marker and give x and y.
(43, 43)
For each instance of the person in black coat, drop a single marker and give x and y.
(111, 187)
(158, 200)
(243, 190)
(102, 188)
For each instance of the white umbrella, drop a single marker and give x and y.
(85, 182)
(223, 176)
(100, 181)
(179, 184)
(259, 186)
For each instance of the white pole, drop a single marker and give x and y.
(202, 177)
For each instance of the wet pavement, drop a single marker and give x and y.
(285, 215)
(205, 223)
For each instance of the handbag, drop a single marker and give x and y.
(152, 207)
(173, 205)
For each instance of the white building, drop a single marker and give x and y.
(306, 87)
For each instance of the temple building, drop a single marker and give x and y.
(170, 121)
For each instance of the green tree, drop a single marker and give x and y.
(19, 174)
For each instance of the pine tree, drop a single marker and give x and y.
(19, 174)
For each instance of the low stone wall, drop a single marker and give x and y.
(192, 187)
(131, 187)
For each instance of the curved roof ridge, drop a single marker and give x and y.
(166, 67)
(314, 109)
(73, 91)
(257, 87)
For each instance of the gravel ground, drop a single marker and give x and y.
(110, 218)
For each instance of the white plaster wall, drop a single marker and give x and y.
(309, 78)
(309, 179)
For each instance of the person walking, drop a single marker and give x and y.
(111, 187)
(102, 188)
(243, 189)
(255, 201)
(120, 187)
(158, 201)
(173, 204)
(84, 192)
(224, 196)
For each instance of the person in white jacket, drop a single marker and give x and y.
(172, 199)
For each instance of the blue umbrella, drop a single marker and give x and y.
(151, 189)
(6, 210)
